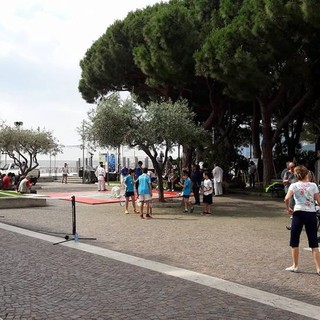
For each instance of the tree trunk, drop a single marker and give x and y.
(296, 134)
(159, 171)
(268, 171)
(267, 145)
(317, 147)
(267, 108)
(255, 132)
(187, 157)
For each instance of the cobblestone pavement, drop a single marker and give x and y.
(244, 241)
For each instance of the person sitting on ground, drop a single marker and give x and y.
(7, 182)
(25, 185)
(169, 166)
(152, 176)
(173, 179)
(21, 177)
(1, 178)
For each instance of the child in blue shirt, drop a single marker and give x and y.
(186, 191)
(145, 192)
(129, 184)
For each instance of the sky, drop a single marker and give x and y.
(41, 45)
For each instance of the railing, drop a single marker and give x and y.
(47, 171)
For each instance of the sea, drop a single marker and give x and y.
(75, 157)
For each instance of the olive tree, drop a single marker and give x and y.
(158, 127)
(24, 145)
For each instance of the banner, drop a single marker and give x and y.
(112, 163)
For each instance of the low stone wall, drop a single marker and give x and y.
(22, 202)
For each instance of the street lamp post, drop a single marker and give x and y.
(55, 167)
(119, 165)
(5, 157)
(50, 164)
(18, 124)
(82, 148)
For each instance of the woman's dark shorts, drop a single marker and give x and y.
(309, 220)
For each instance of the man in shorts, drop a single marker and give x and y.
(145, 192)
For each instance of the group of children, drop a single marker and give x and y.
(206, 188)
(142, 184)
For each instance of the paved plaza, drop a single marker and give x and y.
(176, 266)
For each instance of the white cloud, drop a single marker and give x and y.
(41, 45)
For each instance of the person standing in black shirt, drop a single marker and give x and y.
(196, 179)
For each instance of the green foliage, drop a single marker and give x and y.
(26, 144)
(109, 65)
(105, 64)
(311, 128)
(160, 125)
(260, 49)
(310, 10)
(236, 57)
(229, 9)
(170, 41)
(215, 54)
(112, 120)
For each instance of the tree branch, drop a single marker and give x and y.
(295, 109)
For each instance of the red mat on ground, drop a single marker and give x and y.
(104, 197)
